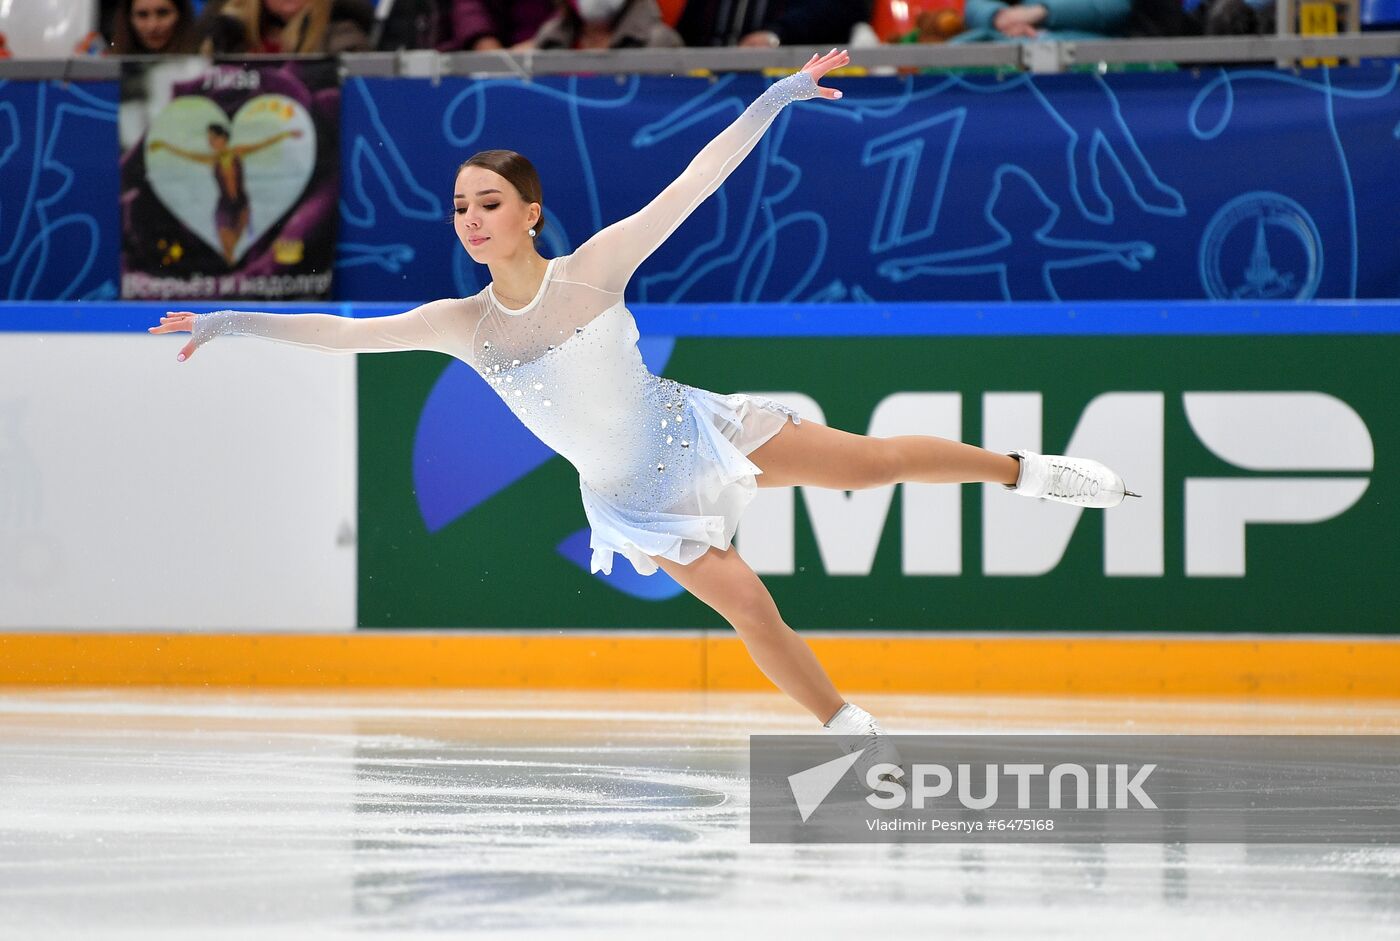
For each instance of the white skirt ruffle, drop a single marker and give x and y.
(722, 486)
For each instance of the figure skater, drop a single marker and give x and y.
(231, 215)
(665, 469)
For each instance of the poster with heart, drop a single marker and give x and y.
(229, 179)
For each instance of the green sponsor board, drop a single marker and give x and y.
(1262, 460)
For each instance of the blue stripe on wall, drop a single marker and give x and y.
(912, 319)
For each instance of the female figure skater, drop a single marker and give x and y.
(665, 469)
(231, 215)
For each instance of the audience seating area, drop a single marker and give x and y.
(57, 29)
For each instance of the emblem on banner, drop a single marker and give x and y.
(1261, 246)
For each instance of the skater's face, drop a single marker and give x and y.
(492, 219)
(154, 22)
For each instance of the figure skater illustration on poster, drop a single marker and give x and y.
(232, 214)
(229, 179)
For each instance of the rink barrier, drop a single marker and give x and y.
(1345, 668)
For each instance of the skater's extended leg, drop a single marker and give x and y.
(724, 581)
(816, 455)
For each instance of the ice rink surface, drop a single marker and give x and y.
(224, 814)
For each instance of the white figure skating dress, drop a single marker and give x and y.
(663, 466)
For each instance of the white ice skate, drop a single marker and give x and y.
(860, 731)
(1074, 480)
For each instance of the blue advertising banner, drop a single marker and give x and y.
(1247, 184)
(1222, 185)
(60, 234)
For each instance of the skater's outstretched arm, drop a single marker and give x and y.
(244, 150)
(422, 328)
(608, 259)
(182, 152)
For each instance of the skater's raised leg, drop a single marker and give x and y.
(814, 455)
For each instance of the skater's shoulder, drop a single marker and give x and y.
(454, 309)
(458, 303)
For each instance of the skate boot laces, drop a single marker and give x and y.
(1069, 482)
(1077, 481)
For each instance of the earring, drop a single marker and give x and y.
(532, 232)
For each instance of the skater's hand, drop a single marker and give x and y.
(819, 66)
(174, 322)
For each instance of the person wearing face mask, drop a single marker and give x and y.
(606, 24)
(280, 27)
(153, 27)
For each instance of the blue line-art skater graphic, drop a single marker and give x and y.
(746, 225)
(1025, 254)
(52, 244)
(1020, 215)
(372, 153)
(393, 258)
(1096, 131)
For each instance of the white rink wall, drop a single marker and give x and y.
(141, 493)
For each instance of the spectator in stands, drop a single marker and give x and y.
(409, 24)
(994, 20)
(606, 24)
(483, 25)
(152, 27)
(1233, 18)
(764, 24)
(287, 26)
(1158, 18)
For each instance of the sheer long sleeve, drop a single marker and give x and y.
(411, 330)
(608, 259)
